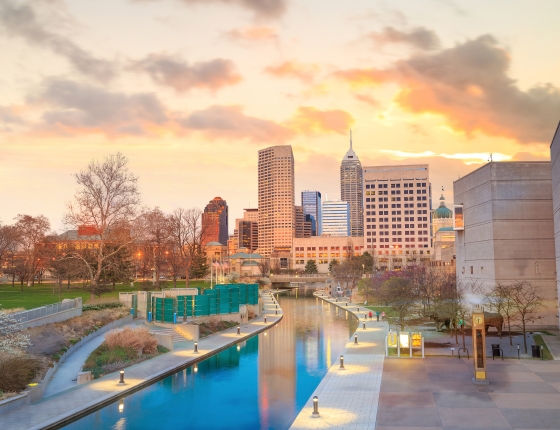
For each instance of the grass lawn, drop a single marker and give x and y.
(42, 294)
(387, 309)
(539, 341)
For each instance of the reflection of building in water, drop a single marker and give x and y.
(277, 369)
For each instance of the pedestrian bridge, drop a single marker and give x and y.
(300, 278)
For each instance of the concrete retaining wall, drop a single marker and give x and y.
(165, 340)
(13, 403)
(189, 331)
(58, 317)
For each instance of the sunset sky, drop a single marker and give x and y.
(190, 90)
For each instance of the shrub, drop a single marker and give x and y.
(16, 371)
(101, 306)
(138, 339)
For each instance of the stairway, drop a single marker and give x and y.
(154, 329)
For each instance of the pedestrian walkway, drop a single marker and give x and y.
(348, 398)
(552, 341)
(58, 409)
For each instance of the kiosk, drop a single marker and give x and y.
(479, 346)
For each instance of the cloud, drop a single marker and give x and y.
(294, 70)
(253, 34)
(310, 120)
(467, 158)
(22, 21)
(267, 9)
(469, 85)
(229, 122)
(74, 108)
(178, 74)
(420, 38)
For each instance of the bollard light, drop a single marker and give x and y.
(195, 368)
(196, 347)
(121, 405)
(518, 351)
(276, 312)
(315, 406)
(346, 304)
(542, 352)
(265, 320)
(365, 315)
(358, 309)
(121, 381)
(342, 362)
(238, 330)
(355, 338)
(364, 325)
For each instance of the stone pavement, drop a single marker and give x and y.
(437, 394)
(348, 397)
(82, 399)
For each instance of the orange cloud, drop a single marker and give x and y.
(253, 34)
(295, 70)
(310, 120)
(469, 85)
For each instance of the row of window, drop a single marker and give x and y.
(397, 185)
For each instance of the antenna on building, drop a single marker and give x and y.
(350, 138)
(490, 158)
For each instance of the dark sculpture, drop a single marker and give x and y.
(441, 321)
(493, 319)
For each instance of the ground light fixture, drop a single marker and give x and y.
(356, 338)
(121, 380)
(364, 325)
(196, 347)
(342, 362)
(315, 407)
(238, 330)
(121, 405)
(518, 351)
(265, 320)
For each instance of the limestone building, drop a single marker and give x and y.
(276, 199)
(351, 190)
(554, 157)
(323, 249)
(508, 231)
(443, 236)
(336, 218)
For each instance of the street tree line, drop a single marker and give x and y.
(120, 240)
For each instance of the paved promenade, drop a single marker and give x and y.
(59, 407)
(348, 398)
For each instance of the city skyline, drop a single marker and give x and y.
(75, 90)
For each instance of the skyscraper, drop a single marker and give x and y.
(336, 218)
(303, 223)
(351, 190)
(276, 199)
(215, 221)
(311, 202)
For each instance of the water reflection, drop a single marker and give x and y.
(263, 385)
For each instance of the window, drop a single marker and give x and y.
(471, 270)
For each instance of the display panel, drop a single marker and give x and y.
(458, 219)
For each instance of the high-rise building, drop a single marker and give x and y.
(215, 221)
(351, 190)
(303, 223)
(311, 202)
(276, 199)
(247, 230)
(336, 218)
(397, 214)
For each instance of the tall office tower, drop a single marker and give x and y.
(351, 190)
(247, 229)
(276, 199)
(336, 218)
(311, 202)
(215, 220)
(397, 213)
(303, 223)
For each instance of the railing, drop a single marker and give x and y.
(44, 311)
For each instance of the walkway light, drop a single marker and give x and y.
(356, 339)
(121, 381)
(358, 309)
(342, 362)
(315, 407)
(276, 312)
(364, 325)
(265, 320)
(196, 347)
(121, 405)
(346, 304)
(238, 330)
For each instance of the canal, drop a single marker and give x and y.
(261, 383)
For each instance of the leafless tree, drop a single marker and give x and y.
(527, 302)
(107, 201)
(264, 267)
(31, 234)
(188, 233)
(499, 299)
(8, 240)
(157, 239)
(400, 293)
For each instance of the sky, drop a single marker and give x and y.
(190, 90)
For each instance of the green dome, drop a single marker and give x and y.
(442, 211)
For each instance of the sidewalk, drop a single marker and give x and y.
(56, 410)
(348, 398)
(553, 343)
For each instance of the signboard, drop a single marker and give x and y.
(403, 339)
(458, 219)
(416, 340)
(392, 339)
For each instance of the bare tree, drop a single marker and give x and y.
(107, 202)
(527, 302)
(188, 233)
(31, 234)
(156, 227)
(8, 240)
(264, 267)
(400, 293)
(499, 300)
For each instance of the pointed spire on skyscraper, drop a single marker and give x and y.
(350, 138)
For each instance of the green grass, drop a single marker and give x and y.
(389, 312)
(539, 341)
(547, 333)
(42, 294)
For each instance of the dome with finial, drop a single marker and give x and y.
(442, 211)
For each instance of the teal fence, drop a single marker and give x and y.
(223, 299)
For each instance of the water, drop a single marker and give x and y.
(263, 385)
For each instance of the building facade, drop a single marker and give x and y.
(443, 235)
(247, 230)
(351, 190)
(323, 249)
(312, 206)
(508, 233)
(336, 218)
(397, 219)
(276, 199)
(215, 221)
(555, 161)
(303, 223)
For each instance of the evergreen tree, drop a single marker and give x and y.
(311, 267)
(199, 268)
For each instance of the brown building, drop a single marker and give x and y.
(303, 223)
(246, 231)
(215, 221)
